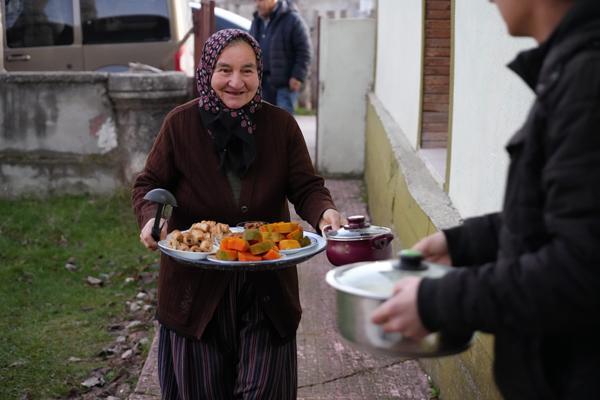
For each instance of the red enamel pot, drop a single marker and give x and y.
(358, 241)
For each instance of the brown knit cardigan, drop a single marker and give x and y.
(183, 161)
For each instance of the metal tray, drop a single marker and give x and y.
(286, 261)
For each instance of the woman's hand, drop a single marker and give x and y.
(434, 248)
(146, 234)
(400, 313)
(330, 217)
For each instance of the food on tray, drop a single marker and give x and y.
(251, 224)
(286, 235)
(247, 246)
(200, 237)
(263, 242)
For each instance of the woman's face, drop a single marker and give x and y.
(235, 76)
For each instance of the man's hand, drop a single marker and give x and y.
(434, 248)
(400, 313)
(295, 85)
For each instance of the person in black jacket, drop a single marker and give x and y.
(285, 43)
(530, 274)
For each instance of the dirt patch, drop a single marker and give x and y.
(121, 362)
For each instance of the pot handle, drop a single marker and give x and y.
(326, 228)
(380, 241)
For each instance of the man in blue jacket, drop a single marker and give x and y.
(286, 47)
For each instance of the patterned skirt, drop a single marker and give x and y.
(240, 354)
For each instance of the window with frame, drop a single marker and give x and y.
(124, 21)
(37, 23)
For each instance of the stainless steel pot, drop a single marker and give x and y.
(362, 287)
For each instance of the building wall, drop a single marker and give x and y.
(404, 196)
(50, 144)
(489, 105)
(399, 62)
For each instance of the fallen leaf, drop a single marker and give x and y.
(133, 325)
(141, 295)
(71, 267)
(18, 363)
(127, 354)
(94, 281)
(93, 381)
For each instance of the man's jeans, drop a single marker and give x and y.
(282, 97)
(287, 99)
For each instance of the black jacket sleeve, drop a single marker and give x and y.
(553, 289)
(475, 241)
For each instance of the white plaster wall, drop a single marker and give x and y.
(399, 59)
(61, 117)
(490, 103)
(346, 58)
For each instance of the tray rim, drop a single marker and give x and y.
(290, 260)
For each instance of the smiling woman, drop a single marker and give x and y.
(229, 157)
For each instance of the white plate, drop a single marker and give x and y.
(186, 255)
(313, 243)
(213, 258)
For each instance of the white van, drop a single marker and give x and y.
(102, 35)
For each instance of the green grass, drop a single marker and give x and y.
(48, 313)
(304, 111)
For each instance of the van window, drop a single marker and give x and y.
(124, 21)
(34, 23)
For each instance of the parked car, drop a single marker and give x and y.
(102, 35)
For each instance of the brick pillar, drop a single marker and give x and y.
(436, 87)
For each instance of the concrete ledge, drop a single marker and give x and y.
(423, 187)
(54, 77)
(148, 82)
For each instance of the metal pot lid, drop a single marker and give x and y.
(356, 229)
(376, 279)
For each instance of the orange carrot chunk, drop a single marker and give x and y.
(272, 254)
(238, 244)
(245, 256)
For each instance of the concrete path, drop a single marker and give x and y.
(308, 125)
(328, 367)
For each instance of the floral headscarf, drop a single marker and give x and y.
(231, 130)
